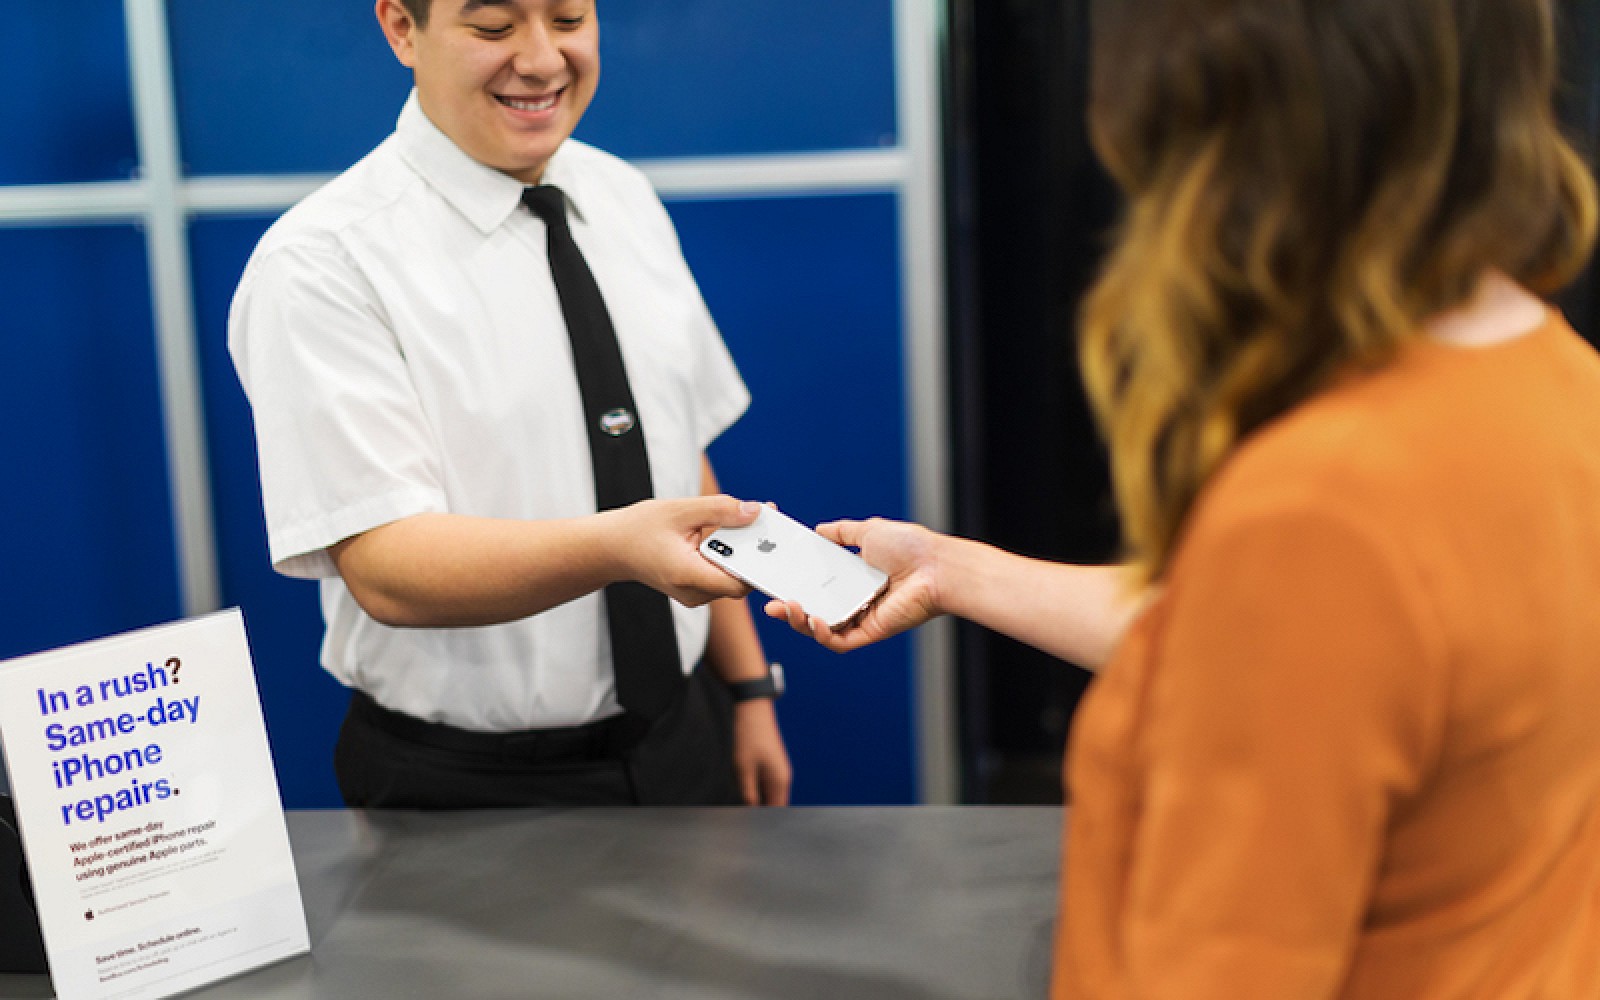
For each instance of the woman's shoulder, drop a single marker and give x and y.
(1349, 448)
(1435, 428)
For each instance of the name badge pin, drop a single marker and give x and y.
(617, 422)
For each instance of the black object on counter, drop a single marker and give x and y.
(21, 946)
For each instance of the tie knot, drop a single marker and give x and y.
(547, 202)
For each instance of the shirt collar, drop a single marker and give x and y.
(483, 194)
(563, 171)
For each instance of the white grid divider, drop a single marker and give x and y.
(162, 200)
(680, 178)
(920, 26)
(70, 204)
(189, 474)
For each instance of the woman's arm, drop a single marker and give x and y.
(1076, 613)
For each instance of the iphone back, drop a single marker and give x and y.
(783, 558)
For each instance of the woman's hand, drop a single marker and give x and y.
(909, 553)
(1076, 613)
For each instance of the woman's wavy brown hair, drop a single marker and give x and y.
(1307, 180)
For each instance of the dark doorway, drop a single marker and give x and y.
(1578, 103)
(1029, 213)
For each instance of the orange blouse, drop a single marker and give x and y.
(1353, 749)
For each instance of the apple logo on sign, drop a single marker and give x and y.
(766, 545)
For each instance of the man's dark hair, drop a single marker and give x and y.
(419, 11)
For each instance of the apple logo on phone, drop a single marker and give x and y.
(766, 545)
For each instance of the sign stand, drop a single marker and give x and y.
(149, 811)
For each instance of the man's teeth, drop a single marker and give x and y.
(521, 104)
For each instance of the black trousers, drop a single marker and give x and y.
(385, 760)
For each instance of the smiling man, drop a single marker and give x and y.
(483, 381)
(507, 81)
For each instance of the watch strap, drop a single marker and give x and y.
(770, 686)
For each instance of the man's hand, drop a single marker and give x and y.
(660, 541)
(759, 758)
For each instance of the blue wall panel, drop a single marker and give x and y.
(293, 86)
(67, 114)
(708, 77)
(302, 703)
(806, 291)
(316, 86)
(87, 548)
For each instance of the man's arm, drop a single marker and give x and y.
(447, 570)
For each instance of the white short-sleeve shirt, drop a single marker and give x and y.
(400, 340)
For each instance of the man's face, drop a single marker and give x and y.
(507, 80)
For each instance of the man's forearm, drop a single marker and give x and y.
(447, 570)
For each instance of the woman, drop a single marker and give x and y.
(1349, 748)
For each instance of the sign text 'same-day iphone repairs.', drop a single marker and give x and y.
(785, 559)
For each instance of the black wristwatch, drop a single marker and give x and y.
(770, 686)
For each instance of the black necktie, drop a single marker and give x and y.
(644, 643)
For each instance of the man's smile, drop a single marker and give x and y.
(534, 104)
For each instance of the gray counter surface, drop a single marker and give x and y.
(832, 904)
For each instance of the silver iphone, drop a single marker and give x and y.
(784, 559)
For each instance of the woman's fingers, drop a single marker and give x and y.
(790, 613)
(813, 628)
(846, 533)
